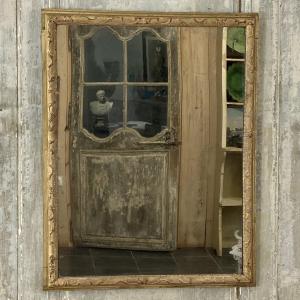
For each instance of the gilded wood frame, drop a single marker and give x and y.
(50, 20)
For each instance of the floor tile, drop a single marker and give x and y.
(190, 252)
(75, 265)
(225, 261)
(115, 266)
(196, 265)
(162, 265)
(100, 252)
(96, 261)
(151, 254)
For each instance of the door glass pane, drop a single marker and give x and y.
(147, 58)
(103, 57)
(147, 109)
(102, 109)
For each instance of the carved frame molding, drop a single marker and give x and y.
(50, 20)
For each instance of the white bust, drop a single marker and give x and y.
(101, 106)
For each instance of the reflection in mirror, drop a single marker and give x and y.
(236, 43)
(103, 57)
(147, 58)
(147, 109)
(130, 206)
(234, 128)
(102, 109)
(235, 81)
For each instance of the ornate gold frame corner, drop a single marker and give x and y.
(50, 20)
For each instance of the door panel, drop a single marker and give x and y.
(124, 198)
(124, 141)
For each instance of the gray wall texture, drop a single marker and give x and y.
(278, 151)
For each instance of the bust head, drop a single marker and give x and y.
(100, 94)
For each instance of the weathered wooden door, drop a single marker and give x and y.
(124, 132)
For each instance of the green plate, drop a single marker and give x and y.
(236, 81)
(236, 39)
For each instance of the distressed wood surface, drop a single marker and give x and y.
(266, 153)
(154, 5)
(215, 46)
(30, 203)
(63, 71)
(198, 48)
(141, 211)
(136, 214)
(273, 246)
(289, 152)
(8, 152)
(232, 188)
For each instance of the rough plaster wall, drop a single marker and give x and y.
(278, 151)
(289, 152)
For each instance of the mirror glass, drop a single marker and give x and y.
(102, 109)
(147, 109)
(103, 53)
(147, 58)
(150, 155)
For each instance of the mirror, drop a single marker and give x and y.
(149, 149)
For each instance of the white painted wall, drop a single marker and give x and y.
(278, 151)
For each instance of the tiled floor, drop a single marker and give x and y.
(95, 261)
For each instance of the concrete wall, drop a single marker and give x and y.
(278, 151)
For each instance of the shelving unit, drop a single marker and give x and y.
(232, 201)
(229, 201)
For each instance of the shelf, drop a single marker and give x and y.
(229, 203)
(233, 149)
(234, 201)
(235, 59)
(235, 103)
